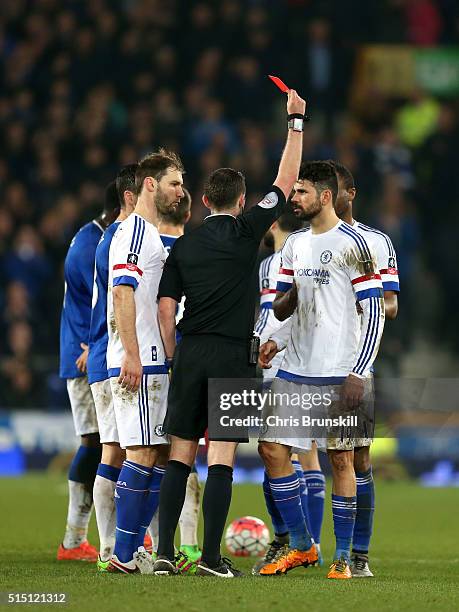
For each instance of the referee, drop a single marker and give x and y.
(213, 267)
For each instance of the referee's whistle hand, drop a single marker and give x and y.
(267, 351)
(130, 372)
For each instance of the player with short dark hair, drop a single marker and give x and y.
(329, 352)
(74, 340)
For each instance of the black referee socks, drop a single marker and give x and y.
(171, 500)
(215, 506)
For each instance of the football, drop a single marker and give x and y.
(247, 537)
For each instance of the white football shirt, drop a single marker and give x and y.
(137, 258)
(325, 338)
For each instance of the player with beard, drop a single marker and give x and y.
(309, 461)
(313, 476)
(136, 360)
(324, 270)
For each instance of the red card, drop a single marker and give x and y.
(277, 81)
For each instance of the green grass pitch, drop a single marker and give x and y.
(414, 557)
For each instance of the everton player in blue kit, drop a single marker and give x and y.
(74, 338)
(112, 455)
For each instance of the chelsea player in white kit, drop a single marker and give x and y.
(329, 351)
(314, 478)
(74, 338)
(112, 455)
(136, 360)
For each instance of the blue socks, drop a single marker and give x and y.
(130, 493)
(84, 465)
(315, 485)
(286, 495)
(365, 511)
(280, 528)
(344, 510)
(303, 494)
(150, 503)
(108, 472)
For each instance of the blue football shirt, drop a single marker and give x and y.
(98, 333)
(76, 309)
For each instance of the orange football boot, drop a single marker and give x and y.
(84, 552)
(289, 559)
(340, 570)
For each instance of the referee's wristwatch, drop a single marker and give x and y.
(295, 121)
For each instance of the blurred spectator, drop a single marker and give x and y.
(27, 262)
(417, 119)
(424, 22)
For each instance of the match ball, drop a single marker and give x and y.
(247, 537)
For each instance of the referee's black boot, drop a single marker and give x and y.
(164, 567)
(224, 569)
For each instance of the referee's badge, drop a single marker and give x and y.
(270, 200)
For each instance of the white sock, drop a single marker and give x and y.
(79, 513)
(153, 530)
(189, 518)
(104, 505)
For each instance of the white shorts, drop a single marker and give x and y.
(140, 415)
(82, 403)
(285, 420)
(103, 400)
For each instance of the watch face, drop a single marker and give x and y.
(296, 125)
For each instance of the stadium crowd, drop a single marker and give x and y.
(88, 87)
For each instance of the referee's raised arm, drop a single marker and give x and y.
(262, 216)
(289, 165)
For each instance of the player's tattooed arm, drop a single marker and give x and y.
(125, 317)
(166, 316)
(285, 303)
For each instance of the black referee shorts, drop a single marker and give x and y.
(198, 358)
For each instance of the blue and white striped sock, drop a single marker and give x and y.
(344, 510)
(280, 528)
(363, 527)
(286, 494)
(150, 503)
(131, 490)
(303, 493)
(315, 484)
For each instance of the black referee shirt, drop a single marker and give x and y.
(213, 266)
